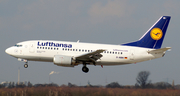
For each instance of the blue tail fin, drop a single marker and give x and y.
(154, 37)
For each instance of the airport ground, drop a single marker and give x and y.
(88, 91)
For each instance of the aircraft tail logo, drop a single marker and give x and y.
(156, 33)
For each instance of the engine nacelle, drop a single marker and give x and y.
(61, 60)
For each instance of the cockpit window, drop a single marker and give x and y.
(18, 45)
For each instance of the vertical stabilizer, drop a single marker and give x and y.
(154, 37)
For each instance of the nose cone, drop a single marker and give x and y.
(8, 51)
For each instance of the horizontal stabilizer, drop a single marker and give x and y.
(159, 50)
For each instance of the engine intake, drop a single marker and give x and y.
(61, 60)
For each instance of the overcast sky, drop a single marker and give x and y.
(94, 21)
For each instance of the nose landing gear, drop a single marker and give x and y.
(25, 65)
(24, 60)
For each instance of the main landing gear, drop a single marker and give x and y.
(85, 69)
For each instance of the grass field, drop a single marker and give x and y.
(80, 91)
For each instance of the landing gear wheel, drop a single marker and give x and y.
(85, 69)
(25, 65)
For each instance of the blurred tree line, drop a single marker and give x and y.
(158, 85)
(142, 81)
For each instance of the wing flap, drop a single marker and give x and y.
(90, 57)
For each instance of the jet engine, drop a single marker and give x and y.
(66, 61)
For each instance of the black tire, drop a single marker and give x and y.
(25, 65)
(85, 69)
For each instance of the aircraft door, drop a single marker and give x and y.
(131, 54)
(32, 48)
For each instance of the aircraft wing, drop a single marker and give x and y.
(90, 57)
(159, 50)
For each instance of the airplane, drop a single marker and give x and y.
(70, 54)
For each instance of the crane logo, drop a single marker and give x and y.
(156, 33)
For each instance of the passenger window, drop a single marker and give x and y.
(18, 45)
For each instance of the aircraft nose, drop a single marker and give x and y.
(8, 51)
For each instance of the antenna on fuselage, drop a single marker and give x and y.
(78, 41)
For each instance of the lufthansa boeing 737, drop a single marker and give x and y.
(70, 54)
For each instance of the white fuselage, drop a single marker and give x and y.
(45, 50)
(69, 54)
